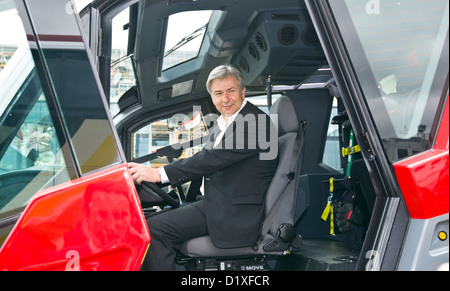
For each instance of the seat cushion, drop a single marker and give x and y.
(202, 247)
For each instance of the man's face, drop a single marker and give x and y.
(226, 95)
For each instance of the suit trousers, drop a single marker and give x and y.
(169, 230)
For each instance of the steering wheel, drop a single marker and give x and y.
(152, 194)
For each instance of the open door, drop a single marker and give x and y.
(94, 223)
(67, 200)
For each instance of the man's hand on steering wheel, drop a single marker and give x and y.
(141, 173)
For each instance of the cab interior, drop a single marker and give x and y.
(275, 45)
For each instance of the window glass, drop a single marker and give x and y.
(332, 153)
(185, 32)
(261, 101)
(122, 71)
(10, 39)
(33, 159)
(396, 49)
(30, 152)
(174, 132)
(76, 88)
(80, 4)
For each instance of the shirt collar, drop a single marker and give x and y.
(221, 120)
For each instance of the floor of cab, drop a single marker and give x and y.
(319, 255)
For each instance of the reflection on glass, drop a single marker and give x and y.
(180, 128)
(76, 87)
(122, 71)
(31, 157)
(402, 44)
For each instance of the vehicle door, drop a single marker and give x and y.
(390, 62)
(67, 201)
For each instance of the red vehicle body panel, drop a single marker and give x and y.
(91, 223)
(424, 178)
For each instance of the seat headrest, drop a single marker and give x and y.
(287, 118)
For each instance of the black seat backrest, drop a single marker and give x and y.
(288, 127)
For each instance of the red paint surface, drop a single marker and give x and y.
(92, 223)
(424, 179)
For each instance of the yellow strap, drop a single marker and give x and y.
(326, 211)
(329, 208)
(350, 150)
(331, 221)
(329, 211)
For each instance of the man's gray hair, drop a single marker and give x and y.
(222, 72)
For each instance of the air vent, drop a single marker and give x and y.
(253, 51)
(244, 65)
(287, 34)
(260, 42)
(309, 36)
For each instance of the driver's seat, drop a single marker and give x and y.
(278, 235)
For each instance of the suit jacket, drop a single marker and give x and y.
(235, 178)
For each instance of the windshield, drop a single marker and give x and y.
(185, 32)
(399, 51)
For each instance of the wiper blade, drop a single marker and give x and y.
(187, 39)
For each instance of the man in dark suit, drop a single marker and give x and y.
(236, 166)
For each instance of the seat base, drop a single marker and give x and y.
(203, 247)
(258, 263)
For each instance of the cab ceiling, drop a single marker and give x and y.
(262, 37)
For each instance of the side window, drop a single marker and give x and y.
(76, 88)
(175, 132)
(400, 55)
(332, 154)
(32, 158)
(122, 70)
(261, 101)
(30, 152)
